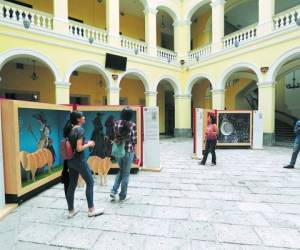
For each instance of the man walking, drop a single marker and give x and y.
(296, 148)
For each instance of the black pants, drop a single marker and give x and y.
(76, 167)
(210, 147)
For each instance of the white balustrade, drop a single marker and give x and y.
(88, 33)
(197, 54)
(24, 16)
(167, 55)
(241, 36)
(287, 18)
(135, 46)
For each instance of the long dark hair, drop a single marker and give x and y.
(126, 116)
(213, 119)
(73, 121)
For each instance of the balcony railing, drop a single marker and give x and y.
(134, 46)
(197, 54)
(88, 33)
(241, 36)
(287, 18)
(166, 55)
(25, 16)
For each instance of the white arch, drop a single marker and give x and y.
(280, 61)
(193, 8)
(172, 11)
(94, 65)
(138, 73)
(20, 52)
(192, 81)
(237, 67)
(174, 83)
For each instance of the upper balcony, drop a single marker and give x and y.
(157, 33)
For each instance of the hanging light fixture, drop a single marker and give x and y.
(163, 25)
(100, 82)
(34, 75)
(293, 85)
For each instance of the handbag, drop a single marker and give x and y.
(118, 150)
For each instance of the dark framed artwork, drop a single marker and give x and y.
(235, 128)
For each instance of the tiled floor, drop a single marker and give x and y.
(247, 201)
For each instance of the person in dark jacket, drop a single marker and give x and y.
(296, 148)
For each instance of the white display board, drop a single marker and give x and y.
(199, 113)
(151, 146)
(2, 190)
(258, 130)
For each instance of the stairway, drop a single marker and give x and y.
(283, 131)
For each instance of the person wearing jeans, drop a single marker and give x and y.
(122, 177)
(211, 140)
(296, 148)
(77, 165)
(125, 132)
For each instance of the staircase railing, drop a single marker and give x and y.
(291, 120)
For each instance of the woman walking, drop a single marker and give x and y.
(211, 135)
(125, 132)
(77, 165)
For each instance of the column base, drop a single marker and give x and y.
(269, 139)
(183, 132)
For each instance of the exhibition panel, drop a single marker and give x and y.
(31, 146)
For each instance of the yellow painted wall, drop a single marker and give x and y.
(231, 92)
(85, 84)
(90, 11)
(199, 98)
(19, 80)
(133, 27)
(201, 37)
(133, 90)
(41, 5)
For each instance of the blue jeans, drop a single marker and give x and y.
(122, 177)
(76, 167)
(296, 150)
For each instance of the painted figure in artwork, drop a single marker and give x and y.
(98, 137)
(44, 130)
(110, 136)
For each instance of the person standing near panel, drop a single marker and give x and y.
(211, 136)
(296, 148)
(125, 133)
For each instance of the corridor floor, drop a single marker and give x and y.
(248, 201)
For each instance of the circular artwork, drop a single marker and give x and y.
(227, 128)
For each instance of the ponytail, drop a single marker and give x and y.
(67, 129)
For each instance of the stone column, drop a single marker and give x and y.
(150, 30)
(218, 99)
(217, 24)
(265, 18)
(266, 104)
(182, 38)
(113, 22)
(62, 92)
(183, 116)
(113, 96)
(151, 99)
(60, 19)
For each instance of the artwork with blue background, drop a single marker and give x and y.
(40, 130)
(99, 127)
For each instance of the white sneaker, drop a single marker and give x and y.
(126, 199)
(72, 214)
(96, 212)
(112, 196)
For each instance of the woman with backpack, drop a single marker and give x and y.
(77, 165)
(125, 135)
(211, 136)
